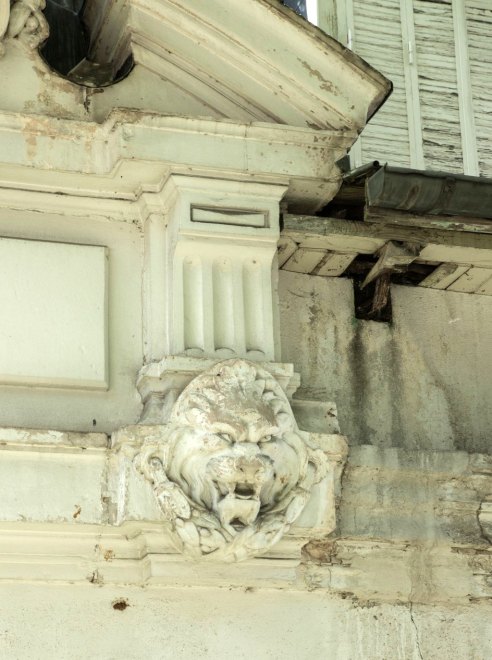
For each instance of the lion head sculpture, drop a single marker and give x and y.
(232, 470)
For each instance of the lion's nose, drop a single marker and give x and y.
(246, 436)
(254, 469)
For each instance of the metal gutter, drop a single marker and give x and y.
(429, 193)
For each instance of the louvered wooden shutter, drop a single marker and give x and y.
(376, 36)
(479, 33)
(438, 53)
(435, 64)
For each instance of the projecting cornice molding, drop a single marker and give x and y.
(223, 88)
(98, 523)
(227, 59)
(132, 153)
(252, 60)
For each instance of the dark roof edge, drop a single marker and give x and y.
(429, 193)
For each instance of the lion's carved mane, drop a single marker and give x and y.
(231, 471)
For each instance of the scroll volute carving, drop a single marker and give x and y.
(4, 21)
(232, 471)
(23, 19)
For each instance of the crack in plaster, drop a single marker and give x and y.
(417, 637)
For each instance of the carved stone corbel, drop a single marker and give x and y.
(23, 20)
(231, 470)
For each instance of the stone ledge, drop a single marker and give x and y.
(140, 554)
(37, 438)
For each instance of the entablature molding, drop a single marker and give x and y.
(132, 153)
(99, 522)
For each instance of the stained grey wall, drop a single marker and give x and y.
(423, 382)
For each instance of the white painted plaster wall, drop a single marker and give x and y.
(54, 314)
(423, 382)
(81, 409)
(180, 624)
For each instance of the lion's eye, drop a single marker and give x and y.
(227, 437)
(266, 438)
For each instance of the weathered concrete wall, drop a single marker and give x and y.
(423, 382)
(82, 622)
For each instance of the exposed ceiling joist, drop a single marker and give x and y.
(447, 260)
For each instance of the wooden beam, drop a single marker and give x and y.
(286, 248)
(461, 248)
(391, 257)
(331, 234)
(381, 293)
(486, 288)
(356, 244)
(304, 260)
(443, 276)
(457, 254)
(443, 222)
(475, 280)
(334, 264)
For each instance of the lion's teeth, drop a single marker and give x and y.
(232, 509)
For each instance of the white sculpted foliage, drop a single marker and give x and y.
(23, 19)
(232, 471)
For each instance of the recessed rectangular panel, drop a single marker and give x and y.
(53, 314)
(224, 216)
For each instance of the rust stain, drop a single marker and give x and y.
(322, 552)
(31, 146)
(109, 555)
(77, 512)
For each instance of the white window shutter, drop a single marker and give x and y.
(438, 85)
(479, 32)
(438, 54)
(377, 38)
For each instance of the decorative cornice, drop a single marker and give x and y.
(239, 59)
(128, 141)
(138, 553)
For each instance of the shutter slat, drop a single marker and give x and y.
(436, 65)
(440, 113)
(377, 38)
(479, 28)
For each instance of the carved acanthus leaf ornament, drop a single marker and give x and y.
(24, 20)
(232, 471)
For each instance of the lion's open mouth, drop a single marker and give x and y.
(245, 491)
(238, 479)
